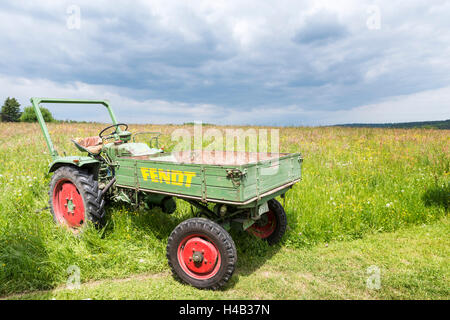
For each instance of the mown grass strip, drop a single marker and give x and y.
(413, 264)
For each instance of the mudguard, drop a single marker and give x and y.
(77, 161)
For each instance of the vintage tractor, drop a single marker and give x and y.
(228, 194)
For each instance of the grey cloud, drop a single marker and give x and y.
(252, 57)
(321, 28)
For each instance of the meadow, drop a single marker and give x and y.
(369, 196)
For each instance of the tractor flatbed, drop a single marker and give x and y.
(238, 178)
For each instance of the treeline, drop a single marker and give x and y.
(444, 124)
(11, 112)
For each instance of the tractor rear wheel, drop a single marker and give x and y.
(75, 198)
(201, 253)
(272, 224)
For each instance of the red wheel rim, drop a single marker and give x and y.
(68, 204)
(199, 257)
(264, 228)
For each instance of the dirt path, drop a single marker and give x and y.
(92, 284)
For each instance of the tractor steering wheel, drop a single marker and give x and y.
(113, 132)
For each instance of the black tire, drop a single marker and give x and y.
(280, 222)
(87, 188)
(281, 226)
(214, 234)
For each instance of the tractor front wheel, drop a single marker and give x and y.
(201, 253)
(75, 198)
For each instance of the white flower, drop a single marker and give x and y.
(389, 204)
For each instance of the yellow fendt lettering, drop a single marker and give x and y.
(175, 177)
(164, 176)
(189, 176)
(146, 172)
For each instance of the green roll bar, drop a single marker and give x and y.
(36, 104)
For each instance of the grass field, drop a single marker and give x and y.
(369, 197)
(413, 263)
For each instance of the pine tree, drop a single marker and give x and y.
(10, 110)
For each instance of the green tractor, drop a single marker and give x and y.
(116, 168)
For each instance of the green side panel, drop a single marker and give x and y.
(268, 175)
(287, 170)
(251, 176)
(220, 186)
(218, 181)
(229, 194)
(208, 181)
(161, 176)
(217, 177)
(272, 175)
(125, 175)
(249, 192)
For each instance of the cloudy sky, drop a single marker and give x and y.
(232, 62)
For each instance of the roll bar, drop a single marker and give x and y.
(36, 105)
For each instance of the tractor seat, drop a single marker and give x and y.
(92, 144)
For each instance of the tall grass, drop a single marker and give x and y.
(355, 182)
